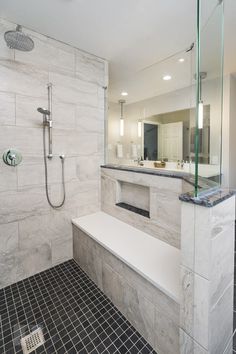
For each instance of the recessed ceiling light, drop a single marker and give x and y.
(124, 93)
(167, 77)
(181, 60)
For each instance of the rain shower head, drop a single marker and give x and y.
(16, 39)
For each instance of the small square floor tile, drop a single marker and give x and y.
(75, 316)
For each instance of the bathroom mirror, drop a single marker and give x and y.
(160, 113)
(170, 136)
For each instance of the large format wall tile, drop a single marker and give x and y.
(7, 109)
(8, 177)
(47, 56)
(72, 90)
(26, 140)
(90, 68)
(8, 237)
(45, 235)
(22, 79)
(22, 204)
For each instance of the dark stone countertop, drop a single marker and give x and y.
(204, 183)
(208, 198)
(210, 193)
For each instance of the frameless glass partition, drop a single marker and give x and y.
(209, 92)
(168, 115)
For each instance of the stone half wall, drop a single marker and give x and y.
(158, 194)
(154, 314)
(34, 237)
(207, 278)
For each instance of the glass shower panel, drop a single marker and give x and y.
(209, 78)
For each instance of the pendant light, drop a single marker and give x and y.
(202, 76)
(121, 102)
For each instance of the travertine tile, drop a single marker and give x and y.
(62, 249)
(222, 271)
(22, 79)
(8, 237)
(78, 116)
(186, 301)
(33, 260)
(25, 140)
(89, 120)
(221, 313)
(86, 253)
(201, 306)
(88, 168)
(44, 228)
(90, 68)
(47, 56)
(189, 346)
(73, 90)
(222, 215)
(7, 108)
(71, 143)
(166, 207)
(9, 267)
(8, 177)
(166, 334)
(161, 224)
(22, 203)
(202, 240)
(140, 312)
(113, 286)
(187, 235)
(34, 175)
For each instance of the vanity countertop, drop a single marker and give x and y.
(164, 172)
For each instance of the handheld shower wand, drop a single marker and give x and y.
(47, 122)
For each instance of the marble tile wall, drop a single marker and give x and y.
(33, 236)
(207, 277)
(162, 202)
(150, 311)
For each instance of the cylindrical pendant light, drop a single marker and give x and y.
(121, 102)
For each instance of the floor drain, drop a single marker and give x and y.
(32, 341)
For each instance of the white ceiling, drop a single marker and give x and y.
(131, 34)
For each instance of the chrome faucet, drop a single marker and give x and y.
(139, 161)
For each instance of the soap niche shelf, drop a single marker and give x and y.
(134, 197)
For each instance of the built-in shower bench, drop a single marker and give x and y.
(138, 272)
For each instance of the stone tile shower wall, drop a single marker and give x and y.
(33, 236)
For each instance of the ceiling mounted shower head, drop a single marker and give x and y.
(16, 39)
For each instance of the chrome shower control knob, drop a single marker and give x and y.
(12, 157)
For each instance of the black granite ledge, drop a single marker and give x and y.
(148, 171)
(204, 183)
(134, 209)
(209, 198)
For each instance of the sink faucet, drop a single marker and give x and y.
(139, 161)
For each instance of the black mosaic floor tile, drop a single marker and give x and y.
(75, 316)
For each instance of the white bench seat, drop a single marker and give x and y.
(153, 259)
